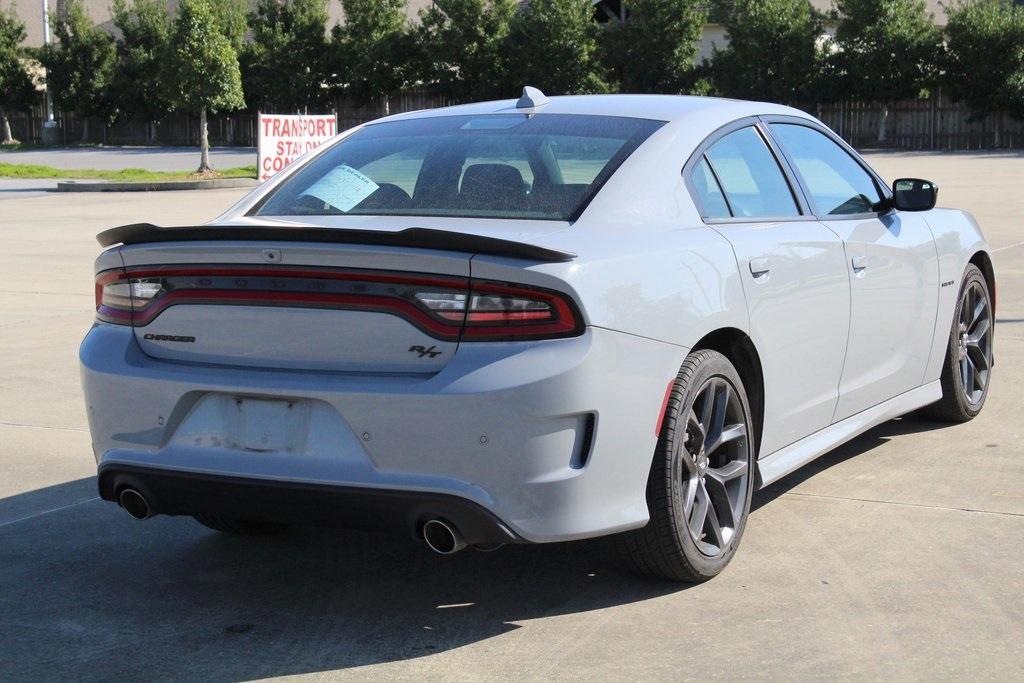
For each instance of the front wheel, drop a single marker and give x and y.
(967, 369)
(701, 480)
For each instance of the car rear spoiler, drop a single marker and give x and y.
(422, 238)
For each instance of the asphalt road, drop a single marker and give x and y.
(897, 556)
(147, 158)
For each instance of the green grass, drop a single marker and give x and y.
(124, 174)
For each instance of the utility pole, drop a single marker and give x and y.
(49, 125)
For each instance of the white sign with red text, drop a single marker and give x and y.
(283, 138)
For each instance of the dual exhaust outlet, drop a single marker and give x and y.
(440, 536)
(135, 504)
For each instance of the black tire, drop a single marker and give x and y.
(955, 404)
(230, 525)
(666, 548)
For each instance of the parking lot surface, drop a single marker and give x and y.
(899, 555)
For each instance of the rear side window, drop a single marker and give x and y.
(750, 176)
(543, 166)
(709, 194)
(838, 185)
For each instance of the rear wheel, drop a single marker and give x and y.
(701, 480)
(967, 370)
(231, 525)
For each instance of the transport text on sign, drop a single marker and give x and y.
(285, 137)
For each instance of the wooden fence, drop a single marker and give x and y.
(933, 123)
(236, 129)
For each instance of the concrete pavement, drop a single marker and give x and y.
(148, 158)
(20, 188)
(897, 556)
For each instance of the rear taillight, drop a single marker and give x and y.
(445, 307)
(114, 295)
(501, 311)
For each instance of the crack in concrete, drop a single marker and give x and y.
(21, 424)
(903, 504)
(47, 512)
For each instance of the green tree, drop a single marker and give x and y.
(136, 87)
(80, 64)
(232, 17)
(788, 31)
(202, 69)
(462, 47)
(985, 56)
(886, 50)
(552, 44)
(284, 68)
(17, 92)
(653, 51)
(373, 49)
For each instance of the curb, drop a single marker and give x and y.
(153, 185)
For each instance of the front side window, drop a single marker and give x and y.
(838, 185)
(750, 176)
(545, 166)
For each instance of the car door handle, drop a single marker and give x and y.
(860, 263)
(760, 267)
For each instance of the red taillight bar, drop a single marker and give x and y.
(547, 314)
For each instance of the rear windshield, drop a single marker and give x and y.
(545, 166)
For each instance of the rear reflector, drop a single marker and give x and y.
(448, 308)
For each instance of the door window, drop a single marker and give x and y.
(709, 194)
(838, 185)
(750, 176)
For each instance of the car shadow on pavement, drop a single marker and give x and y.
(88, 593)
(908, 424)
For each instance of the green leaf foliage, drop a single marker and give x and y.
(80, 63)
(985, 56)
(886, 50)
(17, 92)
(232, 20)
(552, 45)
(137, 86)
(654, 50)
(201, 64)
(285, 67)
(773, 52)
(373, 49)
(461, 48)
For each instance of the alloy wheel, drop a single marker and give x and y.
(974, 351)
(715, 461)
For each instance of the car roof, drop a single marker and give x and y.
(655, 107)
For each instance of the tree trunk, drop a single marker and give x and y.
(882, 118)
(85, 129)
(204, 144)
(387, 106)
(8, 138)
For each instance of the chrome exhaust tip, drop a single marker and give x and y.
(442, 538)
(135, 504)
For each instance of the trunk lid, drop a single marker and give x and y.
(296, 305)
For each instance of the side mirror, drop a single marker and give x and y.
(914, 194)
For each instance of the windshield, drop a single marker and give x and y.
(545, 166)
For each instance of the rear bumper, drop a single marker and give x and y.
(554, 438)
(170, 492)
